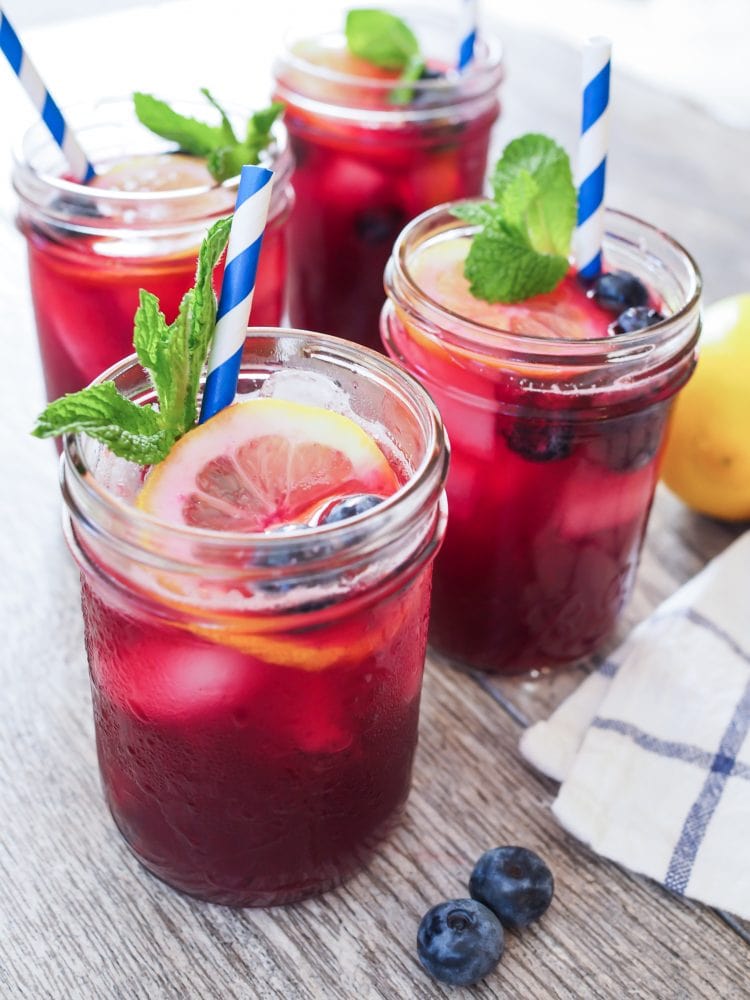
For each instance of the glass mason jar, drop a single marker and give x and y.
(555, 452)
(91, 249)
(256, 696)
(365, 165)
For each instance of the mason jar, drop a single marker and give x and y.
(256, 695)
(92, 249)
(555, 443)
(366, 165)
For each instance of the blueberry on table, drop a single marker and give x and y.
(619, 290)
(459, 942)
(349, 507)
(514, 883)
(637, 318)
(539, 439)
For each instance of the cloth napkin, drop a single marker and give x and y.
(653, 749)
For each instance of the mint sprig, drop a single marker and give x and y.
(225, 153)
(388, 42)
(172, 354)
(522, 248)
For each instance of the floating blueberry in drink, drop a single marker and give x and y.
(381, 224)
(539, 439)
(637, 318)
(618, 290)
(635, 443)
(340, 510)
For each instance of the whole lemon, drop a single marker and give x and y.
(707, 458)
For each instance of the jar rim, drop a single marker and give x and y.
(117, 112)
(482, 75)
(426, 480)
(473, 335)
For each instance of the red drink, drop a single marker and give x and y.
(556, 427)
(256, 696)
(366, 166)
(137, 225)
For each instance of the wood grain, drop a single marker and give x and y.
(79, 918)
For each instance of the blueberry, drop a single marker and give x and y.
(349, 507)
(70, 204)
(631, 442)
(431, 74)
(539, 439)
(282, 555)
(459, 942)
(619, 290)
(637, 318)
(514, 883)
(286, 556)
(380, 225)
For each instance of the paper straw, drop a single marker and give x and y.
(592, 157)
(468, 33)
(41, 98)
(245, 238)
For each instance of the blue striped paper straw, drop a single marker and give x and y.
(41, 98)
(592, 157)
(468, 33)
(237, 287)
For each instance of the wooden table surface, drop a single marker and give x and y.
(80, 919)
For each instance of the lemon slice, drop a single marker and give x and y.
(263, 463)
(254, 466)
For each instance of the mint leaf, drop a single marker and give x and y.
(502, 267)
(130, 431)
(227, 131)
(515, 201)
(192, 136)
(225, 154)
(412, 73)
(163, 352)
(260, 124)
(380, 38)
(478, 213)
(198, 309)
(227, 161)
(550, 216)
(386, 41)
(523, 244)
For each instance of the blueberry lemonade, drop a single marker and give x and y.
(163, 175)
(255, 596)
(382, 128)
(555, 394)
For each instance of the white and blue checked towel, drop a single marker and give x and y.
(653, 750)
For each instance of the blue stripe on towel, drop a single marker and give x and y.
(696, 824)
